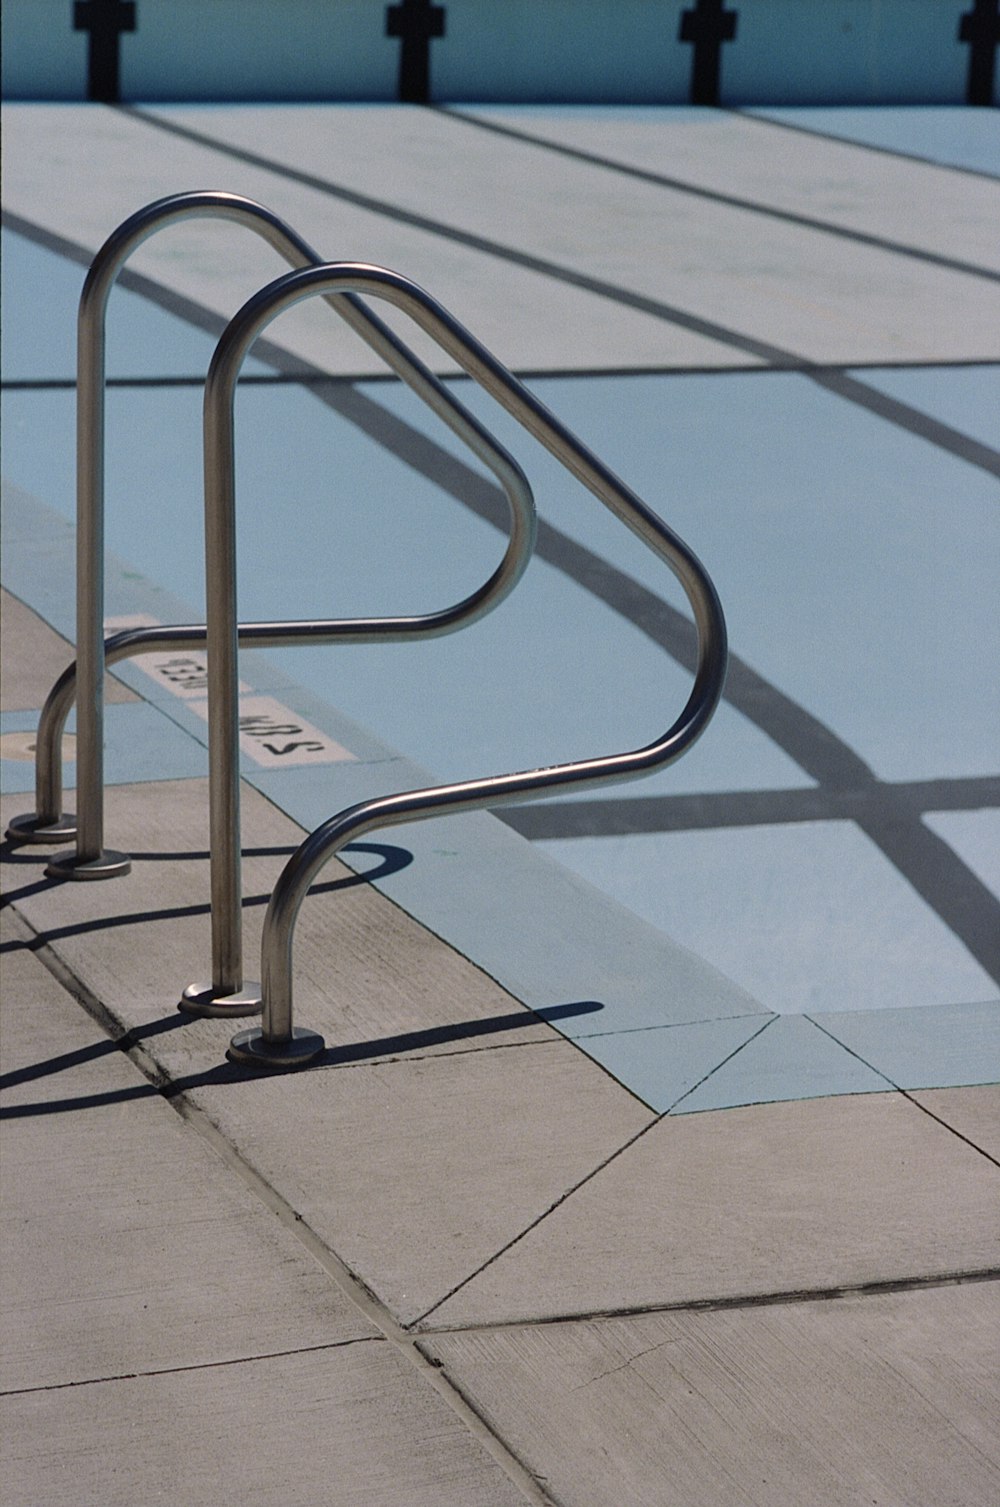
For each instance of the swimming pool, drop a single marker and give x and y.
(830, 845)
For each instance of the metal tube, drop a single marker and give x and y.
(48, 821)
(228, 993)
(280, 1042)
(46, 824)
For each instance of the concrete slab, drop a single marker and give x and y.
(417, 1173)
(123, 1233)
(343, 1426)
(780, 1198)
(455, 1185)
(892, 1399)
(972, 1112)
(367, 976)
(33, 655)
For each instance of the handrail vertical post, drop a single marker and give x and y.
(90, 859)
(227, 994)
(47, 823)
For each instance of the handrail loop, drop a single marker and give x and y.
(85, 679)
(280, 1043)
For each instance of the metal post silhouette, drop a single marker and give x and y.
(104, 21)
(415, 22)
(707, 26)
(980, 28)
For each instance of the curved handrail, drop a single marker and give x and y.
(279, 1043)
(84, 680)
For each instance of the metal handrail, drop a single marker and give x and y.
(280, 1043)
(84, 680)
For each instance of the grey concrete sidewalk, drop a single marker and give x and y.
(447, 1267)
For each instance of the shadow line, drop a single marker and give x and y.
(229, 1072)
(393, 860)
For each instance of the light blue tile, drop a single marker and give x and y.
(141, 744)
(808, 916)
(952, 134)
(975, 837)
(790, 1059)
(811, 514)
(39, 331)
(24, 721)
(966, 397)
(543, 933)
(741, 453)
(39, 552)
(662, 1065)
(945, 1046)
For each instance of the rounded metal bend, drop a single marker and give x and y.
(84, 679)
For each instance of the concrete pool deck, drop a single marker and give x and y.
(470, 1258)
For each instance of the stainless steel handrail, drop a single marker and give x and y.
(84, 681)
(280, 1043)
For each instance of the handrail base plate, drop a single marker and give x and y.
(205, 999)
(41, 829)
(107, 865)
(252, 1049)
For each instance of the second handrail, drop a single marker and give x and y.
(84, 680)
(279, 1043)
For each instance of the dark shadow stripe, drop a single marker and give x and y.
(186, 309)
(825, 757)
(526, 374)
(917, 423)
(717, 196)
(761, 349)
(627, 815)
(248, 379)
(962, 901)
(943, 881)
(865, 146)
(911, 419)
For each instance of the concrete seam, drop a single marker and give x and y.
(351, 1286)
(930, 1113)
(567, 1194)
(885, 1288)
(906, 1093)
(211, 1365)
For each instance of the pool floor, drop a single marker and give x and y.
(786, 343)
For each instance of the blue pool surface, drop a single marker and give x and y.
(804, 849)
